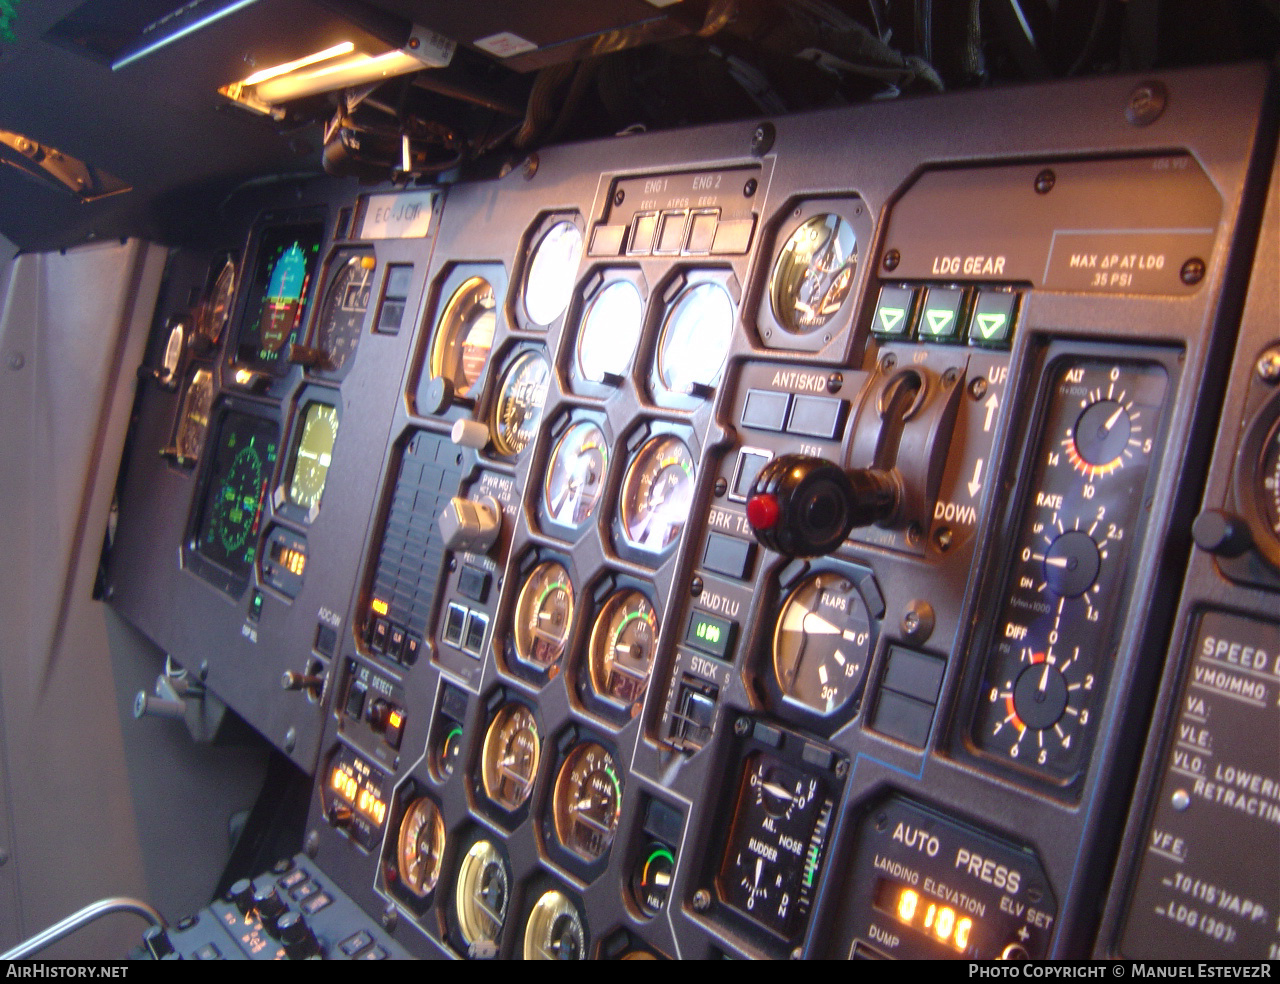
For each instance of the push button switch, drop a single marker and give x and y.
(893, 312)
(941, 314)
(993, 315)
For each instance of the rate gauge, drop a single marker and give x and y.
(346, 300)
(482, 893)
(464, 335)
(657, 493)
(555, 930)
(622, 645)
(695, 338)
(610, 331)
(814, 273)
(587, 801)
(544, 613)
(518, 409)
(1069, 582)
(821, 643)
(420, 847)
(551, 273)
(509, 762)
(575, 474)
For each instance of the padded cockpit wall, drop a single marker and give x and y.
(92, 803)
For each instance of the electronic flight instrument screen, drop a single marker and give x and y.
(766, 540)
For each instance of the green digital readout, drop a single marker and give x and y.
(709, 634)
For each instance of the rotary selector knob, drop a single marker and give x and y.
(299, 941)
(805, 507)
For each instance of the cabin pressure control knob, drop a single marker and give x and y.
(805, 507)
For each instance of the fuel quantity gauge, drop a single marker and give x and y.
(1069, 582)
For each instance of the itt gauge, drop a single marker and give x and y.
(1069, 581)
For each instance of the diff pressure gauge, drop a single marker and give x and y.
(1069, 581)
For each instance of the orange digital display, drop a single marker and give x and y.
(940, 922)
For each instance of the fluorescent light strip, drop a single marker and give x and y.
(345, 48)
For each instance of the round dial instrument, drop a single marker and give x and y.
(510, 757)
(822, 642)
(216, 310)
(657, 493)
(575, 474)
(777, 844)
(587, 801)
(610, 331)
(345, 303)
(1068, 582)
(814, 273)
(695, 338)
(482, 893)
(464, 335)
(622, 645)
(193, 422)
(313, 456)
(544, 613)
(554, 930)
(420, 851)
(518, 409)
(551, 273)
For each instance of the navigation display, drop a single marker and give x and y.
(231, 513)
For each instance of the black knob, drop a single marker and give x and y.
(299, 941)
(270, 908)
(158, 943)
(1222, 533)
(340, 815)
(804, 507)
(241, 895)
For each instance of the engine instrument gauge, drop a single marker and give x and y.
(510, 757)
(193, 421)
(822, 642)
(544, 613)
(464, 335)
(518, 409)
(657, 493)
(482, 893)
(587, 801)
(420, 853)
(610, 331)
(770, 868)
(695, 338)
(575, 474)
(1068, 584)
(215, 312)
(622, 646)
(551, 273)
(814, 273)
(554, 930)
(311, 459)
(342, 314)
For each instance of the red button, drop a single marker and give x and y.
(763, 511)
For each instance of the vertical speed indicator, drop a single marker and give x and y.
(1069, 578)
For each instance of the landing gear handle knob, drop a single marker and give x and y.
(803, 506)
